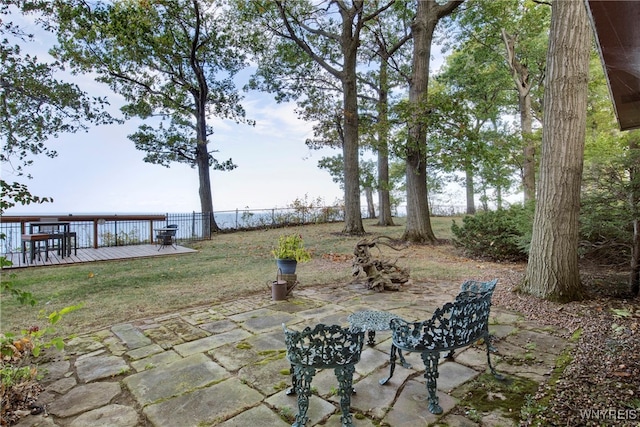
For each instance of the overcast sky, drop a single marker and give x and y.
(101, 171)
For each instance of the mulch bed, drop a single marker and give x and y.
(601, 385)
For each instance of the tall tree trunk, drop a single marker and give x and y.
(349, 44)
(634, 201)
(520, 75)
(528, 150)
(428, 13)
(202, 151)
(385, 217)
(371, 209)
(204, 189)
(552, 272)
(204, 178)
(468, 183)
(384, 198)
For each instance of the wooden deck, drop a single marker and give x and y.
(100, 254)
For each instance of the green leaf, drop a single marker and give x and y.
(58, 343)
(54, 317)
(621, 312)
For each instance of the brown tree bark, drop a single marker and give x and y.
(384, 198)
(428, 13)
(634, 202)
(349, 43)
(352, 21)
(371, 208)
(202, 151)
(520, 76)
(552, 272)
(468, 184)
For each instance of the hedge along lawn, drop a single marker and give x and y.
(228, 266)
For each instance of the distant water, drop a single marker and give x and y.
(122, 232)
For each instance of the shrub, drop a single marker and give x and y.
(606, 215)
(606, 231)
(502, 235)
(19, 352)
(291, 246)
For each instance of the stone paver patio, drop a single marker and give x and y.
(225, 365)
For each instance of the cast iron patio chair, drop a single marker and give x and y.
(323, 347)
(456, 324)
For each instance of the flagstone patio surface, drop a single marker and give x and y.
(225, 365)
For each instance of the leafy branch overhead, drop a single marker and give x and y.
(35, 106)
(174, 64)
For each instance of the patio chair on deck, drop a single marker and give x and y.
(60, 236)
(167, 236)
(36, 243)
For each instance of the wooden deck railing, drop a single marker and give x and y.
(95, 230)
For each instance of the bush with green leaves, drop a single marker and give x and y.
(606, 231)
(609, 205)
(502, 235)
(19, 352)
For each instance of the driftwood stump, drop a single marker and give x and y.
(381, 274)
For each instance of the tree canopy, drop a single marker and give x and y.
(173, 61)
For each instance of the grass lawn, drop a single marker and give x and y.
(226, 267)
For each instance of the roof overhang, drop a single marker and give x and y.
(616, 25)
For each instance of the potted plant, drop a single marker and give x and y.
(289, 252)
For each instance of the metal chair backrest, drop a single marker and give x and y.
(168, 233)
(324, 346)
(454, 325)
(473, 286)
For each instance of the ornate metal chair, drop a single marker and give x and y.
(479, 287)
(454, 325)
(474, 287)
(323, 347)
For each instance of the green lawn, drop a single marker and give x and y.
(226, 267)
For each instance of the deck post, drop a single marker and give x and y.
(95, 233)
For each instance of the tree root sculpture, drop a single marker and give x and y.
(381, 274)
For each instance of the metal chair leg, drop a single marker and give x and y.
(431, 375)
(304, 375)
(392, 365)
(345, 389)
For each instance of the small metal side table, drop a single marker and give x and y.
(372, 321)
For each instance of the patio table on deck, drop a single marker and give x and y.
(36, 227)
